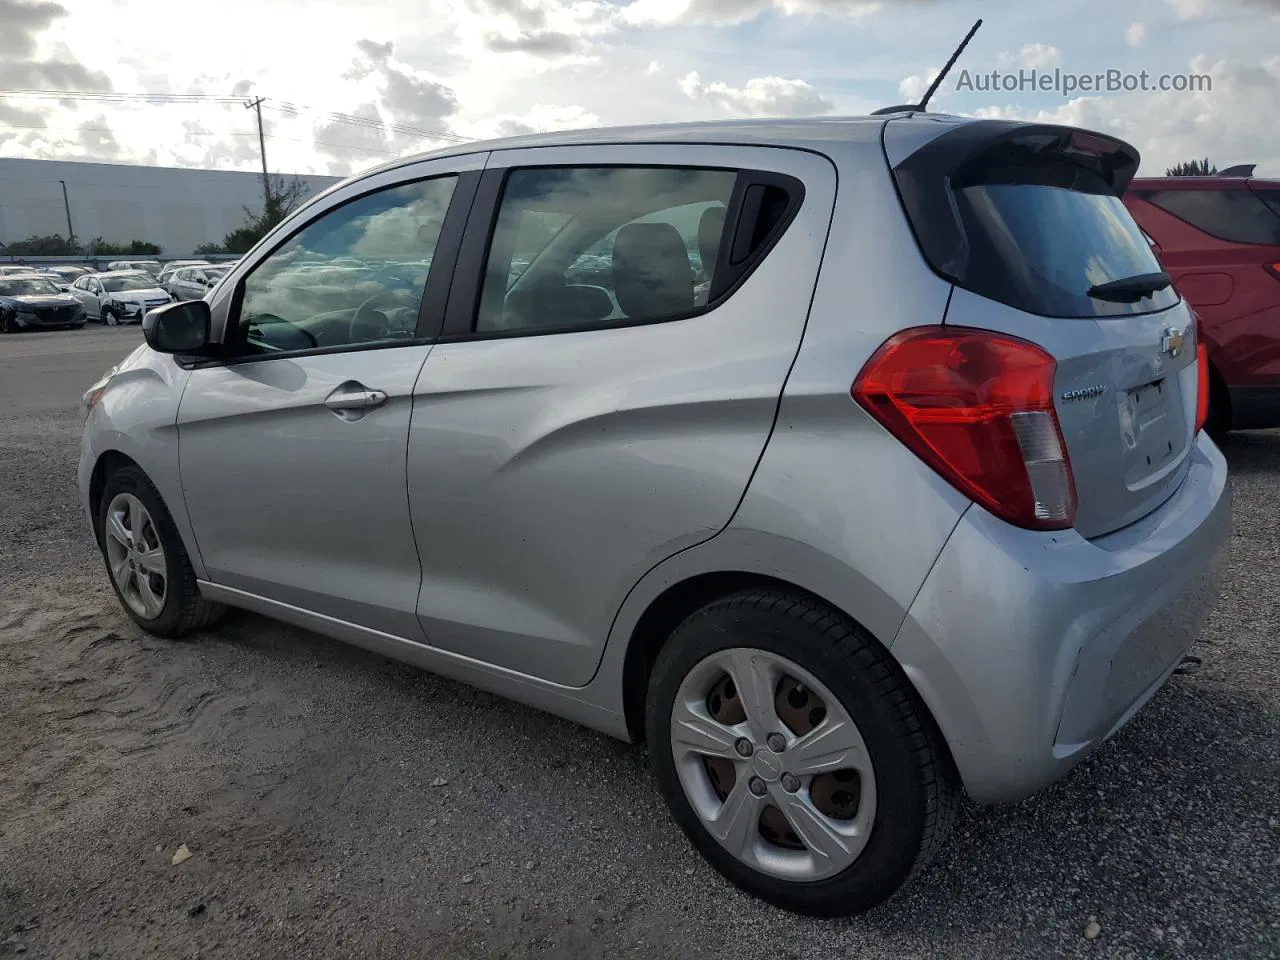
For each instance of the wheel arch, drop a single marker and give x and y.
(108, 462)
(683, 598)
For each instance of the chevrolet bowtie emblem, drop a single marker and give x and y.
(1172, 342)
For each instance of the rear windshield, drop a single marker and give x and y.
(1040, 246)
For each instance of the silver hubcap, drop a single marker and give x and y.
(773, 765)
(135, 556)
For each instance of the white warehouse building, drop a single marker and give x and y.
(177, 208)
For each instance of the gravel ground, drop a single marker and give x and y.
(336, 804)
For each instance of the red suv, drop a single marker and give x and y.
(1219, 238)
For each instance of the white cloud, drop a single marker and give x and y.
(1189, 9)
(758, 97)
(740, 11)
(653, 69)
(541, 118)
(1135, 33)
(1032, 56)
(1169, 127)
(913, 87)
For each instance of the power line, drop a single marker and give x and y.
(289, 109)
(207, 133)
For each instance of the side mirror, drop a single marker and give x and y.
(179, 327)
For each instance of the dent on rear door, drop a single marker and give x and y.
(548, 473)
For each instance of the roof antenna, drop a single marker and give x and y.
(937, 81)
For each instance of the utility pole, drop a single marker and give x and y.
(71, 234)
(256, 106)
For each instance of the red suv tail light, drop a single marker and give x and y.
(1202, 377)
(978, 408)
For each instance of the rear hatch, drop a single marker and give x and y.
(1027, 221)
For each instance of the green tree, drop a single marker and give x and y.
(1192, 168)
(102, 248)
(282, 197)
(50, 246)
(206, 249)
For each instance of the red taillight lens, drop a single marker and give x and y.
(1202, 386)
(1273, 269)
(978, 408)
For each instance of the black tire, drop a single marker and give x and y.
(78, 326)
(916, 787)
(7, 325)
(185, 610)
(1218, 423)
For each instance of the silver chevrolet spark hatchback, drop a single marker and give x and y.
(848, 462)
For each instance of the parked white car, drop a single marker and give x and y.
(193, 283)
(119, 296)
(173, 266)
(152, 267)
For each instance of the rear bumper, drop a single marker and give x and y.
(1032, 648)
(1255, 408)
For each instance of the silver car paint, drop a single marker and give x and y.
(965, 565)
(137, 417)
(1030, 648)
(326, 526)
(634, 443)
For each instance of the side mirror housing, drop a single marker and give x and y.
(178, 327)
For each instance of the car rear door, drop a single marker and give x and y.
(595, 405)
(292, 451)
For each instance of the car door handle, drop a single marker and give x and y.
(346, 398)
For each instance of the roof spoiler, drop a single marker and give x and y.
(924, 178)
(1239, 170)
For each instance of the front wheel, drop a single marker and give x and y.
(795, 756)
(146, 560)
(109, 317)
(8, 324)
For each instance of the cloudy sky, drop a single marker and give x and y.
(480, 68)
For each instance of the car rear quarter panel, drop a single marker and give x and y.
(837, 506)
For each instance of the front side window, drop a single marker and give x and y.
(356, 275)
(582, 246)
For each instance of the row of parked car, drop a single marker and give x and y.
(66, 296)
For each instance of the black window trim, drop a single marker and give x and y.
(464, 301)
(436, 289)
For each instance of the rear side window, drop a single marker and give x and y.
(1239, 216)
(580, 247)
(1039, 237)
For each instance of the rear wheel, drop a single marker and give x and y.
(146, 560)
(8, 324)
(1218, 423)
(795, 756)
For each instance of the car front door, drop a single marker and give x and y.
(606, 381)
(93, 295)
(293, 450)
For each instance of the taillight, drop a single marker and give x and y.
(1202, 375)
(978, 408)
(1273, 269)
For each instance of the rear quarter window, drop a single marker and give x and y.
(1238, 215)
